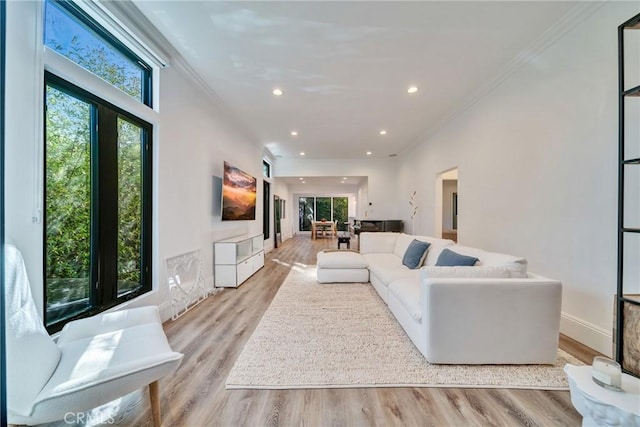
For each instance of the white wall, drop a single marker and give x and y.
(290, 220)
(537, 170)
(194, 142)
(192, 138)
(363, 200)
(379, 189)
(23, 137)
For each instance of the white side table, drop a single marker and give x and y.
(599, 406)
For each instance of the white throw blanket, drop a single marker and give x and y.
(31, 354)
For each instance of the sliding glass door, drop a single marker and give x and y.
(322, 208)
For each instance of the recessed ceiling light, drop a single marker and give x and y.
(383, 132)
(345, 178)
(304, 182)
(412, 89)
(301, 179)
(294, 133)
(369, 153)
(302, 153)
(341, 182)
(278, 92)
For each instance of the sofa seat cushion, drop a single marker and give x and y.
(383, 261)
(340, 260)
(388, 275)
(407, 291)
(517, 266)
(388, 267)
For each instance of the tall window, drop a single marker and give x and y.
(319, 208)
(97, 241)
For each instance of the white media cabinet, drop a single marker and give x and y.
(236, 259)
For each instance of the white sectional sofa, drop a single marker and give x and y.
(492, 313)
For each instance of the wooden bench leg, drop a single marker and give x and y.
(154, 394)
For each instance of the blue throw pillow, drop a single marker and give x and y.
(415, 253)
(449, 258)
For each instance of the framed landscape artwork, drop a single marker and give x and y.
(238, 195)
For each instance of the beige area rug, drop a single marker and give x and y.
(343, 335)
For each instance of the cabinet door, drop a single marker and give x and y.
(258, 261)
(225, 276)
(245, 270)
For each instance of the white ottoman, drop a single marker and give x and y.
(342, 267)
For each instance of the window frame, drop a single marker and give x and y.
(267, 165)
(84, 18)
(3, 357)
(103, 248)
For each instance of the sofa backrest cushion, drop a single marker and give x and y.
(402, 243)
(517, 266)
(415, 254)
(377, 243)
(437, 245)
(449, 258)
(465, 272)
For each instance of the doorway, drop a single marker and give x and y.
(447, 204)
(266, 203)
(277, 216)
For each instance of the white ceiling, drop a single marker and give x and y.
(345, 66)
(323, 180)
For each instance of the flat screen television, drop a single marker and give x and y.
(238, 195)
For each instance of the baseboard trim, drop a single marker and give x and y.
(588, 334)
(165, 311)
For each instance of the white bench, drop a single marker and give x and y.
(336, 266)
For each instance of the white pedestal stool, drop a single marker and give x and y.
(600, 406)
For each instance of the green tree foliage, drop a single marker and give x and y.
(323, 208)
(341, 211)
(129, 205)
(67, 196)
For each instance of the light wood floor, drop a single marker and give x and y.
(212, 335)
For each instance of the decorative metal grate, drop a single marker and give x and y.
(186, 285)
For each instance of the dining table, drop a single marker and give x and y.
(323, 226)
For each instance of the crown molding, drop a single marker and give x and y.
(575, 16)
(118, 15)
(139, 24)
